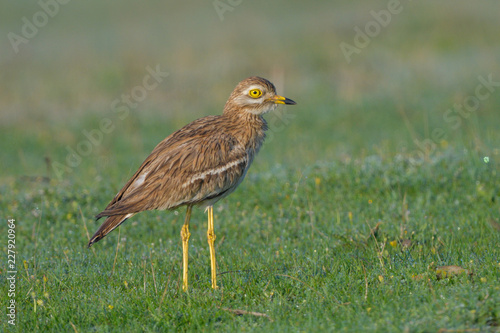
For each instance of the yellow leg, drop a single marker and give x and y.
(211, 240)
(185, 239)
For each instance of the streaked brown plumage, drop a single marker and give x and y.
(201, 163)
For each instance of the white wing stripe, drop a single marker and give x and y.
(215, 171)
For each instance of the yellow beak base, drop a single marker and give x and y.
(282, 100)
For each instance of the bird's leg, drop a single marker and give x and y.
(185, 239)
(211, 240)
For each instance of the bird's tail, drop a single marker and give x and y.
(111, 223)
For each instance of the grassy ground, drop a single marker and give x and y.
(362, 192)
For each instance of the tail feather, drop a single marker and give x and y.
(111, 223)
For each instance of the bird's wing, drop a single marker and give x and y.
(197, 163)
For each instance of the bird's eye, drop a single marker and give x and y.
(255, 93)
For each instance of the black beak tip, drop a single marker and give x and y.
(288, 101)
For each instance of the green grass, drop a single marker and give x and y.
(294, 245)
(295, 241)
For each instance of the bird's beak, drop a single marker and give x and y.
(282, 100)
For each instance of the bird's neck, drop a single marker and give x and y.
(248, 128)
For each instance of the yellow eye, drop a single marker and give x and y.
(255, 93)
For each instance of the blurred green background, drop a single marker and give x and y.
(386, 101)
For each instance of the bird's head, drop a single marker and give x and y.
(255, 95)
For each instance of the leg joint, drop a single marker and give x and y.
(211, 235)
(185, 234)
